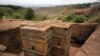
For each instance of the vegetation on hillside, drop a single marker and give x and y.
(78, 6)
(56, 11)
(62, 12)
(18, 12)
(71, 17)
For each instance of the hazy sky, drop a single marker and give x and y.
(43, 2)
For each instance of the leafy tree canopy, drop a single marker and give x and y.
(29, 14)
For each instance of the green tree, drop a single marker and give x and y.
(70, 17)
(29, 14)
(1, 14)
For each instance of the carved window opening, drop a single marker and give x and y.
(33, 48)
(49, 46)
(58, 43)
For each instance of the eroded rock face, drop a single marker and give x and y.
(92, 45)
(81, 32)
(10, 39)
(10, 36)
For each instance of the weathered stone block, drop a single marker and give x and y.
(59, 52)
(31, 32)
(40, 40)
(60, 42)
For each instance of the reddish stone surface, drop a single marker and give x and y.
(73, 51)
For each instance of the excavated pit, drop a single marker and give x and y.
(81, 32)
(10, 31)
(10, 36)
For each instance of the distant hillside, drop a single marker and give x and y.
(68, 13)
(51, 11)
(55, 11)
(12, 7)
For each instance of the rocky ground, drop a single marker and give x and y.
(73, 51)
(10, 54)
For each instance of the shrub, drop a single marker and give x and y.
(88, 15)
(71, 17)
(80, 19)
(1, 14)
(68, 18)
(16, 16)
(29, 15)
